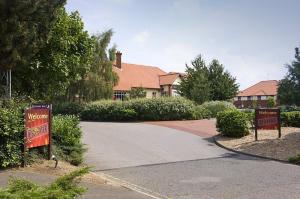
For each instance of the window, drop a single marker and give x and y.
(153, 94)
(249, 98)
(164, 93)
(119, 95)
(258, 97)
(239, 98)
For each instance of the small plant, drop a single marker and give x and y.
(254, 104)
(64, 187)
(233, 123)
(271, 102)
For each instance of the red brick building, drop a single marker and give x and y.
(257, 94)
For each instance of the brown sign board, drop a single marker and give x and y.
(267, 118)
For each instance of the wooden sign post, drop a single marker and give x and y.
(37, 132)
(267, 118)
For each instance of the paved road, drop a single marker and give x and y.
(177, 164)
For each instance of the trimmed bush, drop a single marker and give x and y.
(11, 136)
(67, 135)
(291, 118)
(214, 107)
(68, 108)
(232, 123)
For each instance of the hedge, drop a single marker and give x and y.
(214, 107)
(291, 118)
(68, 108)
(140, 109)
(165, 108)
(233, 123)
(108, 111)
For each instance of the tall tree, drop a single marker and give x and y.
(203, 83)
(24, 29)
(101, 78)
(195, 84)
(223, 85)
(289, 86)
(64, 60)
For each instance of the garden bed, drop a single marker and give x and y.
(268, 144)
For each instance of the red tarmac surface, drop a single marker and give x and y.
(203, 128)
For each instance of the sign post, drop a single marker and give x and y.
(267, 118)
(37, 128)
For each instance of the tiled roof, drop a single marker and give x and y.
(168, 79)
(133, 75)
(262, 88)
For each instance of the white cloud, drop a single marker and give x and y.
(142, 37)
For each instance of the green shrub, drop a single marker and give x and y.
(68, 108)
(291, 118)
(295, 159)
(250, 116)
(232, 123)
(67, 135)
(217, 106)
(11, 136)
(64, 187)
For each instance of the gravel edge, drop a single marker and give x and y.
(249, 154)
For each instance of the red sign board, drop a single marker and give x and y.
(37, 127)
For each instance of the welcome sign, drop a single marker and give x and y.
(267, 118)
(37, 127)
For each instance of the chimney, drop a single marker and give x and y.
(119, 59)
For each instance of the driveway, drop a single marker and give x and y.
(177, 164)
(118, 145)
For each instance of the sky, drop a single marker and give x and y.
(253, 39)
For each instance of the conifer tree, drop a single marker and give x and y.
(289, 86)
